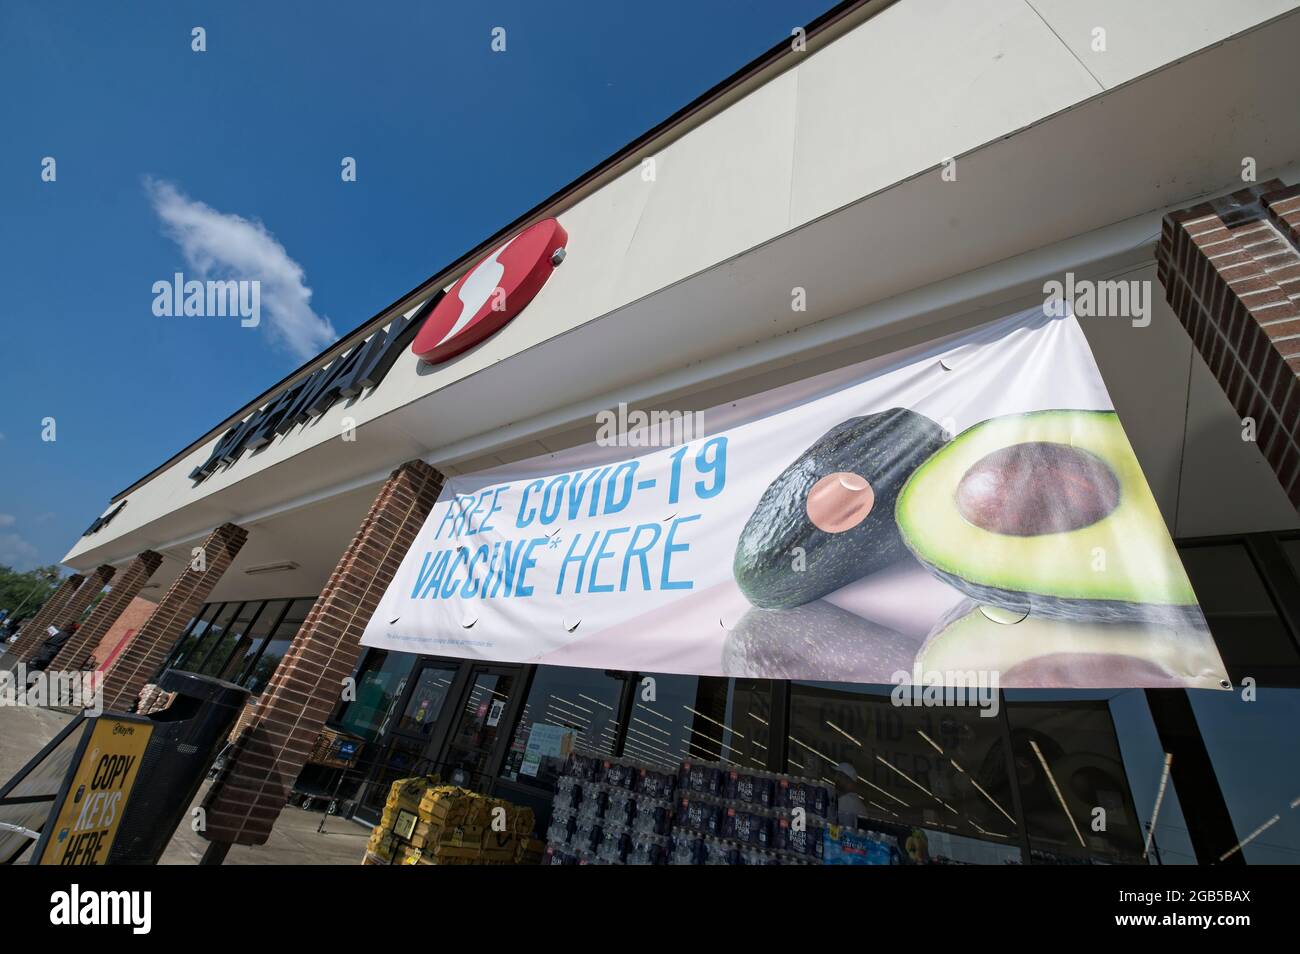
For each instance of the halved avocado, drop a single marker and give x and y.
(1053, 653)
(835, 505)
(1047, 513)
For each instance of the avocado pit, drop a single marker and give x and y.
(1037, 487)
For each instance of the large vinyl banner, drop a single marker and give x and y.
(971, 506)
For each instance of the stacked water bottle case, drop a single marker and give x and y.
(610, 811)
(730, 816)
(621, 811)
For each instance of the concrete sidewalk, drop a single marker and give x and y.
(294, 840)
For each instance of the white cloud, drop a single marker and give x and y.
(227, 246)
(6, 520)
(17, 553)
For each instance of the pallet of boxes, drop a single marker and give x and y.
(427, 823)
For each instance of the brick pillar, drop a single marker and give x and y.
(244, 803)
(137, 664)
(126, 586)
(1231, 271)
(72, 611)
(33, 632)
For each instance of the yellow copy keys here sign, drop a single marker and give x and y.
(86, 823)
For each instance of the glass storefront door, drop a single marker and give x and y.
(448, 717)
(481, 727)
(408, 730)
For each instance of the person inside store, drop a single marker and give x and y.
(850, 807)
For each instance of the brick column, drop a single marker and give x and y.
(72, 611)
(145, 653)
(244, 803)
(1284, 208)
(1231, 271)
(126, 586)
(33, 632)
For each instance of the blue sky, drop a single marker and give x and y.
(167, 159)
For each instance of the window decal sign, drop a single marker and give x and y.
(966, 512)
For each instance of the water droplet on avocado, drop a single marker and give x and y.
(999, 614)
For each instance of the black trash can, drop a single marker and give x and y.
(187, 736)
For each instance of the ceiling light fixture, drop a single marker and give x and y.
(271, 568)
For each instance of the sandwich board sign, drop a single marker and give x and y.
(85, 815)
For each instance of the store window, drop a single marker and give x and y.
(193, 634)
(379, 681)
(670, 719)
(1252, 638)
(198, 649)
(240, 641)
(934, 781)
(259, 672)
(218, 652)
(1103, 750)
(1252, 744)
(565, 708)
(1075, 794)
(1249, 731)
(261, 627)
(676, 718)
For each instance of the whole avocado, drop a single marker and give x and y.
(881, 449)
(815, 641)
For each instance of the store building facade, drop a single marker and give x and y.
(836, 200)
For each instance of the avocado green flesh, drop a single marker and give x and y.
(884, 449)
(1039, 652)
(1121, 567)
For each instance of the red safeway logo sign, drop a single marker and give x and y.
(491, 293)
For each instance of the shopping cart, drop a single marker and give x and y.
(332, 758)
